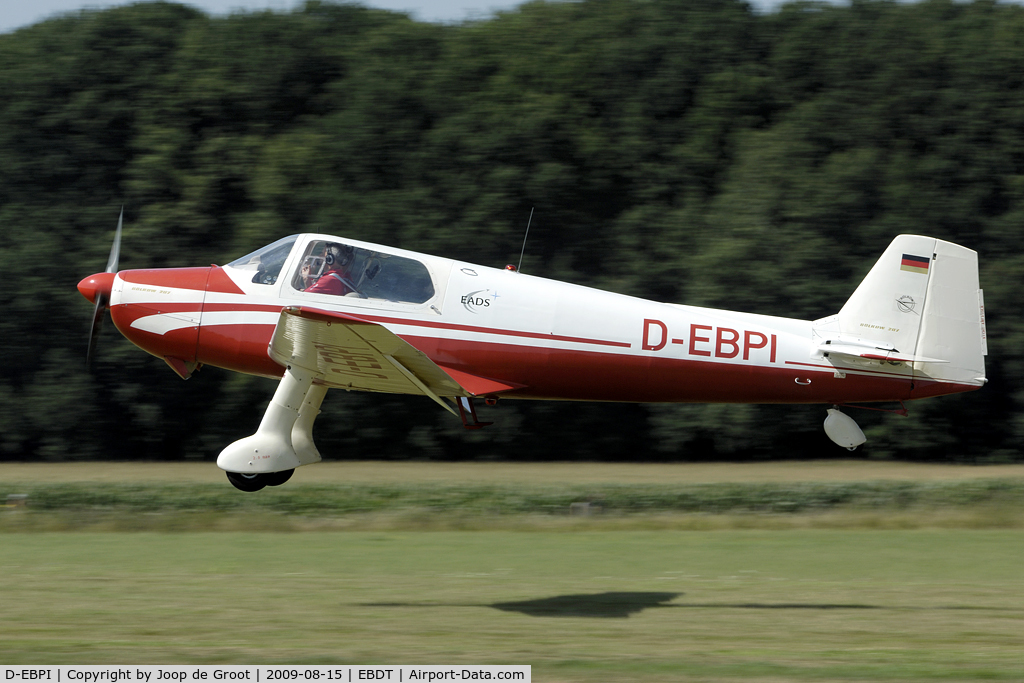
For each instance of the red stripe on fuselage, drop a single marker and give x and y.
(495, 330)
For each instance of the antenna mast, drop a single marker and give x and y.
(523, 250)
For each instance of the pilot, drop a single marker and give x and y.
(335, 278)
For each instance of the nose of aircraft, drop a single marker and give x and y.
(95, 285)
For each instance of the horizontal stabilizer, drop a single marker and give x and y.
(874, 353)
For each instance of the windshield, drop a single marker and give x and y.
(266, 263)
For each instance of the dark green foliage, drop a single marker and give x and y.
(690, 151)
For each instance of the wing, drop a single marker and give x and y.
(351, 353)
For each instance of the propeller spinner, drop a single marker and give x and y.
(96, 288)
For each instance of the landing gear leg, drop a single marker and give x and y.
(302, 430)
(270, 449)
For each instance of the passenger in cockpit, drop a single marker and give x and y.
(334, 279)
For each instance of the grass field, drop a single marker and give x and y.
(581, 600)
(591, 606)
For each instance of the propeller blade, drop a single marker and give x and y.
(103, 298)
(98, 314)
(115, 250)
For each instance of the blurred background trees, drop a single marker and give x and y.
(688, 151)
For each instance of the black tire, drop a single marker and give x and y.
(246, 482)
(277, 478)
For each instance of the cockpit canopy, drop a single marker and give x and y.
(333, 266)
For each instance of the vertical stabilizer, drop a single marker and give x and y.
(920, 305)
(889, 304)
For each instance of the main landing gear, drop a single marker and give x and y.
(284, 439)
(255, 482)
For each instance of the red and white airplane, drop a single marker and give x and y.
(320, 312)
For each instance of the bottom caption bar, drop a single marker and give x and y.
(399, 673)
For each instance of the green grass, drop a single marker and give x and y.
(851, 572)
(805, 605)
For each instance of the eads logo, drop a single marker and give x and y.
(478, 299)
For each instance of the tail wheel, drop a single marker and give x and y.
(247, 482)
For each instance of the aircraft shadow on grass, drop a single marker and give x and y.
(620, 605)
(614, 605)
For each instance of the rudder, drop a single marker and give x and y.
(953, 323)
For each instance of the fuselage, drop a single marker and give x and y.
(542, 339)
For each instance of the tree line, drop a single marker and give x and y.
(692, 151)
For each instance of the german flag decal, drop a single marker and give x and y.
(915, 264)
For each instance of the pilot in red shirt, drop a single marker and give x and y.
(335, 279)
